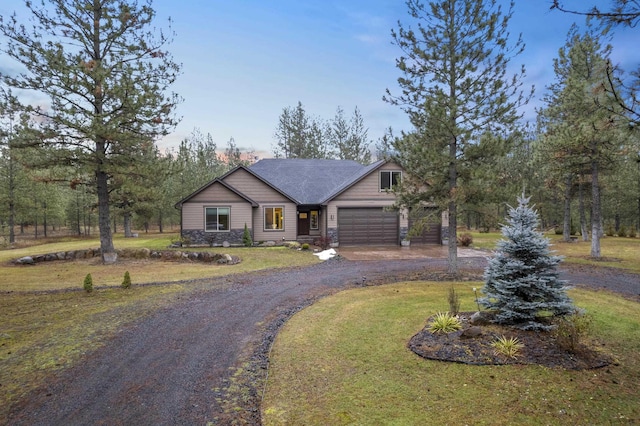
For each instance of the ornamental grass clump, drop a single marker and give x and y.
(444, 322)
(507, 347)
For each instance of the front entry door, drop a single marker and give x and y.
(303, 223)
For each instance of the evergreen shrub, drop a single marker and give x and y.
(246, 237)
(522, 284)
(622, 231)
(88, 283)
(126, 282)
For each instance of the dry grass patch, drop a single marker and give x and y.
(616, 252)
(345, 360)
(44, 327)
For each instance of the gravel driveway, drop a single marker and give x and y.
(176, 367)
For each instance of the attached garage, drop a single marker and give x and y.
(367, 226)
(429, 221)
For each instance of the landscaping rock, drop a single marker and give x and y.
(481, 318)
(471, 332)
(27, 260)
(226, 244)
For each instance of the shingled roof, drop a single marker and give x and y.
(311, 181)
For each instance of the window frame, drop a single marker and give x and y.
(270, 228)
(206, 227)
(391, 174)
(314, 220)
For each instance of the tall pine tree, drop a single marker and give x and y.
(455, 88)
(521, 280)
(104, 71)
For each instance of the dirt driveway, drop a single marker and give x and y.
(176, 367)
(411, 252)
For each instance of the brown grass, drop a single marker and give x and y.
(622, 253)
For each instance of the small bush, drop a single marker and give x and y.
(571, 330)
(465, 240)
(246, 237)
(454, 301)
(632, 232)
(88, 283)
(622, 232)
(126, 282)
(305, 246)
(558, 230)
(322, 242)
(573, 230)
(611, 231)
(444, 322)
(507, 347)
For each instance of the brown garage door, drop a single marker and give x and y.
(367, 226)
(431, 227)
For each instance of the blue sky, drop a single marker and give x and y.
(245, 60)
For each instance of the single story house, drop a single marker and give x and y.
(302, 200)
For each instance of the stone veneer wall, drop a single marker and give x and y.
(332, 234)
(199, 236)
(403, 232)
(444, 234)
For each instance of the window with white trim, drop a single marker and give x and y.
(217, 219)
(389, 179)
(273, 218)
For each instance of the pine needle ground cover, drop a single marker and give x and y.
(345, 360)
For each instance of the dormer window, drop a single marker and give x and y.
(389, 179)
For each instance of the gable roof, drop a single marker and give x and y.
(213, 182)
(366, 170)
(311, 181)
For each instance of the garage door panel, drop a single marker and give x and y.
(367, 226)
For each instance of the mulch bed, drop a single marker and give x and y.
(539, 347)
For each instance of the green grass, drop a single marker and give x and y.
(345, 360)
(41, 332)
(617, 252)
(63, 274)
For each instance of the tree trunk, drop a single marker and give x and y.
(453, 210)
(566, 223)
(583, 216)
(160, 220)
(106, 241)
(12, 206)
(596, 212)
(44, 220)
(127, 224)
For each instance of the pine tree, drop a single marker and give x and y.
(104, 71)
(521, 281)
(455, 88)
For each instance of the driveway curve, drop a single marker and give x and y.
(176, 367)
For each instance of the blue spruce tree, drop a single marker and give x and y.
(521, 281)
